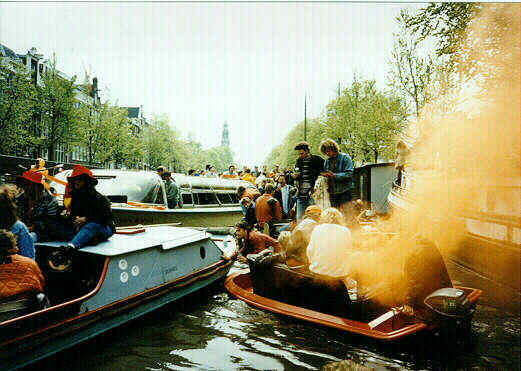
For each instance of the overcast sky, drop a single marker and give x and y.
(203, 64)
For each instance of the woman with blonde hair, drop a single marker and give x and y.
(338, 169)
(330, 250)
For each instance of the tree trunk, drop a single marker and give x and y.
(50, 148)
(375, 156)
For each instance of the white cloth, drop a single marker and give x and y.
(259, 180)
(320, 193)
(285, 192)
(330, 250)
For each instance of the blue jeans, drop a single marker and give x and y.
(90, 231)
(302, 204)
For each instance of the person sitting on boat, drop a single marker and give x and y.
(230, 174)
(43, 217)
(268, 210)
(172, 190)
(338, 168)
(249, 206)
(301, 235)
(90, 210)
(18, 274)
(254, 241)
(424, 273)
(9, 221)
(330, 247)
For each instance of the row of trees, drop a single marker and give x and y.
(366, 120)
(36, 118)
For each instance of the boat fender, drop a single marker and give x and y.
(229, 249)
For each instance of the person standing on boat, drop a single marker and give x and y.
(254, 242)
(248, 207)
(268, 210)
(9, 221)
(338, 169)
(307, 170)
(18, 274)
(284, 194)
(90, 210)
(172, 190)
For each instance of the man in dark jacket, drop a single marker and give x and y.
(425, 272)
(307, 170)
(90, 210)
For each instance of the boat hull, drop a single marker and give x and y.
(190, 217)
(240, 285)
(136, 272)
(73, 331)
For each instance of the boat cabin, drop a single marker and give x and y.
(147, 188)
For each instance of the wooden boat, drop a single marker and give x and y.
(139, 197)
(326, 304)
(131, 274)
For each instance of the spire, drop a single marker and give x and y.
(225, 140)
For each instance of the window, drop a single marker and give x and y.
(160, 199)
(225, 198)
(187, 198)
(151, 196)
(205, 199)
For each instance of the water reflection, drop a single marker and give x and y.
(213, 331)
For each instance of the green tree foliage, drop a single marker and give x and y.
(446, 22)
(365, 121)
(17, 103)
(57, 110)
(105, 133)
(410, 75)
(160, 141)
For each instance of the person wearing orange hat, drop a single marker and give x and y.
(90, 211)
(43, 211)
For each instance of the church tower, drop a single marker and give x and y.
(225, 140)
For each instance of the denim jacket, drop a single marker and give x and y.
(343, 180)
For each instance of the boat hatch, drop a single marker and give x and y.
(161, 236)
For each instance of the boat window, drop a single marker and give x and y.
(160, 199)
(205, 199)
(235, 199)
(187, 198)
(225, 198)
(151, 195)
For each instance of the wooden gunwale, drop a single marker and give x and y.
(146, 294)
(322, 318)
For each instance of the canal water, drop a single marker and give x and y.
(212, 330)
